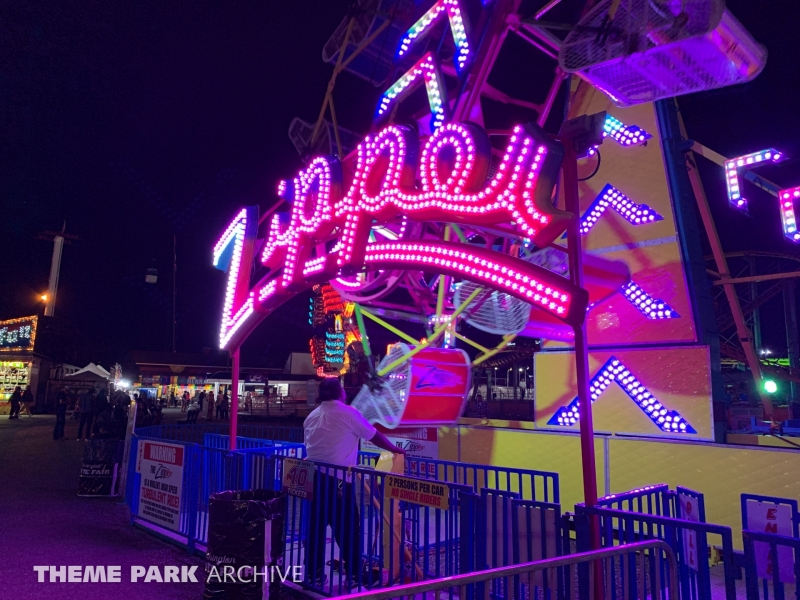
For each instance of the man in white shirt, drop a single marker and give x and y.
(333, 431)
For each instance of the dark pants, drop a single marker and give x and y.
(15, 406)
(334, 505)
(86, 419)
(61, 420)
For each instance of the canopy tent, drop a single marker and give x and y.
(91, 372)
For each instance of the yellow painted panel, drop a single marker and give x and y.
(636, 171)
(448, 443)
(529, 450)
(679, 378)
(616, 321)
(721, 472)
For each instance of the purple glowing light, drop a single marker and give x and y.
(458, 28)
(611, 197)
(652, 308)
(748, 161)
(669, 421)
(787, 199)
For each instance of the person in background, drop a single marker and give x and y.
(223, 407)
(61, 413)
(185, 403)
(210, 411)
(16, 403)
(332, 434)
(28, 400)
(86, 403)
(172, 401)
(248, 402)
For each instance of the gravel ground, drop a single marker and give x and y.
(44, 522)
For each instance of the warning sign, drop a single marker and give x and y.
(419, 491)
(161, 467)
(689, 512)
(418, 442)
(776, 519)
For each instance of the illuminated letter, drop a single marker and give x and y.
(234, 253)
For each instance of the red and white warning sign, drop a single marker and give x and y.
(161, 467)
(769, 517)
(421, 442)
(689, 512)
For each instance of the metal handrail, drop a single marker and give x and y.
(411, 589)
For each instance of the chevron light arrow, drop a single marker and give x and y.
(614, 371)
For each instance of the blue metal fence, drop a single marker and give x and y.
(526, 483)
(770, 554)
(398, 539)
(650, 500)
(624, 527)
(379, 540)
(195, 433)
(781, 561)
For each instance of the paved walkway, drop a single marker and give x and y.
(44, 522)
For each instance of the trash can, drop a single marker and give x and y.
(246, 539)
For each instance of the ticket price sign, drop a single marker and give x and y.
(298, 478)
(419, 491)
(161, 468)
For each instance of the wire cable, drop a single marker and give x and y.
(596, 168)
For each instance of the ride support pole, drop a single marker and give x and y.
(234, 397)
(581, 342)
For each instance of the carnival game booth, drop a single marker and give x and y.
(18, 365)
(580, 231)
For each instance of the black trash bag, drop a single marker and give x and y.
(245, 533)
(100, 468)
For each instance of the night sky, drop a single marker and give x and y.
(137, 121)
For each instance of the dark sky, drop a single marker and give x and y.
(134, 121)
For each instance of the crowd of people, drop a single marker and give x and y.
(20, 400)
(101, 414)
(193, 405)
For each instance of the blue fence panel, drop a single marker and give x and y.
(529, 484)
(195, 433)
(783, 563)
(536, 534)
(784, 555)
(623, 527)
(649, 500)
(396, 539)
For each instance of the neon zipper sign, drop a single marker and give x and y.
(327, 231)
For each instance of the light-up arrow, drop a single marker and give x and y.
(787, 199)
(426, 69)
(615, 372)
(419, 29)
(652, 308)
(748, 161)
(611, 197)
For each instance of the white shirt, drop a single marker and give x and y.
(332, 433)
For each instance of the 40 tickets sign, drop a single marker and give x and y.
(335, 206)
(161, 468)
